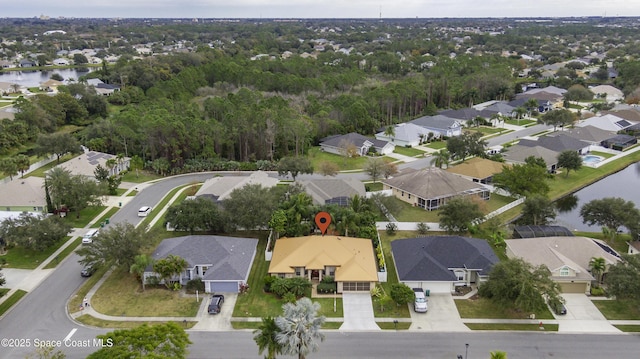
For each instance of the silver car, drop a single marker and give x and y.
(420, 303)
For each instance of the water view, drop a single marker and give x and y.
(623, 184)
(33, 78)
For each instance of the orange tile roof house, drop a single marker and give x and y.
(351, 261)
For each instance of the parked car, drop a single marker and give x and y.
(144, 211)
(560, 309)
(88, 237)
(216, 303)
(87, 271)
(420, 302)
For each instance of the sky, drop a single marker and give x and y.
(319, 8)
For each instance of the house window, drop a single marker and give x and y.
(564, 272)
(204, 270)
(409, 195)
(299, 271)
(281, 275)
(355, 286)
(402, 194)
(459, 275)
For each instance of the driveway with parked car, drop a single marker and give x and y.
(442, 315)
(216, 322)
(582, 316)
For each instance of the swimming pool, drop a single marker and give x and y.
(591, 159)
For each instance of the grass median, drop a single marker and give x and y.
(513, 327)
(95, 322)
(13, 299)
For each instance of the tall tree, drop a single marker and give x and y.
(569, 160)
(117, 245)
(22, 163)
(266, 338)
(139, 266)
(557, 118)
(523, 180)
(537, 210)
(597, 266)
(516, 282)
(299, 328)
(441, 158)
(611, 212)
(240, 207)
(459, 214)
(623, 278)
(401, 294)
(33, 232)
(160, 341)
(199, 214)
(8, 166)
(137, 164)
(169, 267)
(58, 144)
(374, 167)
(294, 166)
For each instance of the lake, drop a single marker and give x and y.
(34, 78)
(623, 184)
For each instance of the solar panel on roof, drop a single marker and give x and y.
(607, 249)
(623, 123)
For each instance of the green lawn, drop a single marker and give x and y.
(40, 172)
(18, 257)
(121, 295)
(437, 145)
(602, 154)
(109, 214)
(521, 122)
(86, 215)
(513, 327)
(4, 291)
(65, 252)
(140, 177)
(317, 157)
(618, 309)
(254, 325)
(409, 151)
(13, 299)
(394, 326)
(487, 309)
(628, 328)
(95, 322)
(393, 311)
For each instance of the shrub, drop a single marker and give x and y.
(193, 285)
(328, 279)
(327, 287)
(391, 228)
(153, 281)
(289, 298)
(597, 291)
(422, 228)
(297, 286)
(268, 280)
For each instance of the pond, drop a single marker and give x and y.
(623, 184)
(33, 78)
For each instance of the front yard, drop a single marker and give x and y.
(618, 309)
(482, 308)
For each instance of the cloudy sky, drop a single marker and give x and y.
(319, 8)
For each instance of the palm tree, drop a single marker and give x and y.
(441, 158)
(531, 104)
(597, 267)
(390, 131)
(519, 111)
(141, 262)
(498, 355)
(265, 337)
(23, 163)
(300, 328)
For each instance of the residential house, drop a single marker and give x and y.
(531, 231)
(341, 144)
(440, 125)
(219, 188)
(222, 263)
(23, 194)
(5, 64)
(477, 169)
(633, 247)
(607, 92)
(463, 115)
(350, 261)
(406, 135)
(566, 257)
(558, 142)
(590, 134)
(102, 88)
(27, 63)
(518, 154)
(625, 112)
(86, 163)
(543, 105)
(61, 61)
(620, 142)
(439, 264)
(50, 85)
(333, 190)
(608, 122)
(431, 188)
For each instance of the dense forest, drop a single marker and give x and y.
(221, 105)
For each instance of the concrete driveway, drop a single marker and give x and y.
(442, 315)
(582, 316)
(216, 322)
(358, 312)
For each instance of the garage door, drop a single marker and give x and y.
(223, 287)
(573, 287)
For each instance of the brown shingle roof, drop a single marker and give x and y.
(477, 167)
(432, 183)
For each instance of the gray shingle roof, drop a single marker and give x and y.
(355, 138)
(228, 258)
(558, 143)
(437, 122)
(324, 189)
(519, 154)
(429, 258)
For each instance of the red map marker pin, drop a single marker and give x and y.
(323, 220)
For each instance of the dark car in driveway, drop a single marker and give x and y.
(216, 303)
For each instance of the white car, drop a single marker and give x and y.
(420, 303)
(144, 211)
(88, 237)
